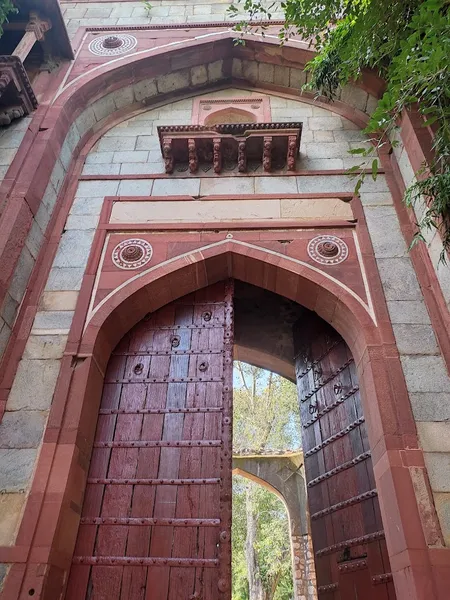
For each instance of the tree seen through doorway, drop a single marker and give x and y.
(265, 418)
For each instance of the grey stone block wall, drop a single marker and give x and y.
(3, 572)
(10, 139)
(432, 237)
(28, 256)
(77, 14)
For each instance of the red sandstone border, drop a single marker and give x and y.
(276, 225)
(343, 196)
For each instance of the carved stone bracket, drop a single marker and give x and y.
(267, 153)
(38, 26)
(217, 157)
(292, 152)
(17, 98)
(167, 154)
(193, 159)
(242, 157)
(35, 31)
(274, 146)
(38, 21)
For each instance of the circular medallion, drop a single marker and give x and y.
(327, 250)
(113, 44)
(132, 254)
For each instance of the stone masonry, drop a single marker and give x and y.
(132, 147)
(126, 161)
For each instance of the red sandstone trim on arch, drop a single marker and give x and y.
(306, 270)
(46, 538)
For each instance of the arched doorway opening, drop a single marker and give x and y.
(265, 528)
(157, 510)
(272, 551)
(262, 561)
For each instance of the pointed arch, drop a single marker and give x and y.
(76, 402)
(159, 285)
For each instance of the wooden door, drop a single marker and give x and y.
(350, 551)
(156, 518)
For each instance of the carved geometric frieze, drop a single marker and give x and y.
(17, 98)
(228, 146)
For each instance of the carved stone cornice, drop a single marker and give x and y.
(275, 146)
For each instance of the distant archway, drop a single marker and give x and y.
(282, 474)
(259, 512)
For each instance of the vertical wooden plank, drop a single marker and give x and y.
(334, 433)
(162, 368)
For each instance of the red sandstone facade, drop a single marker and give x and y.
(266, 241)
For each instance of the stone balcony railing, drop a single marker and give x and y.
(244, 146)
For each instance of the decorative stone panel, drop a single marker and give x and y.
(132, 254)
(112, 45)
(212, 111)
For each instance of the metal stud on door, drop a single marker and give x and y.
(350, 552)
(156, 516)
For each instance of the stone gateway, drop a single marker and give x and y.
(171, 200)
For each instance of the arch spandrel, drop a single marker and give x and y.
(150, 291)
(218, 45)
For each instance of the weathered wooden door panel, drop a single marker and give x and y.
(156, 517)
(347, 532)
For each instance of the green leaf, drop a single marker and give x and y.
(357, 151)
(375, 169)
(430, 121)
(407, 44)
